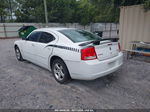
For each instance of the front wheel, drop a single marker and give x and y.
(18, 54)
(60, 71)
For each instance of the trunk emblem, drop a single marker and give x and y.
(100, 54)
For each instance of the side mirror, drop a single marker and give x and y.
(24, 38)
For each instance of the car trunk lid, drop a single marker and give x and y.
(106, 50)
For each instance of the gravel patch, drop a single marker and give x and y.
(25, 85)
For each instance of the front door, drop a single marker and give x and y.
(29, 50)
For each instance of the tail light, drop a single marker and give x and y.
(119, 46)
(88, 53)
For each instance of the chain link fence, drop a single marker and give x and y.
(10, 30)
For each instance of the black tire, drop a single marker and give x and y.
(18, 54)
(63, 70)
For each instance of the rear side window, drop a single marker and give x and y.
(79, 35)
(46, 37)
(34, 36)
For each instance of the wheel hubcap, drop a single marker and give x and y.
(17, 54)
(58, 71)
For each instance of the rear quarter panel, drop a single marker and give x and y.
(66, 49)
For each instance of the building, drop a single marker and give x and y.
(134, 25)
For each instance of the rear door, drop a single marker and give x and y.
(43, 50)
(107, 50)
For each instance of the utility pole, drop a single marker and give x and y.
(46, 16)
(10, 8)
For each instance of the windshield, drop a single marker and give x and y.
(79, 35)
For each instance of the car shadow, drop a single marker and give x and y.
(102, 82)
(97, 84)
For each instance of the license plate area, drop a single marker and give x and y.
(112, 63)
(106, 51)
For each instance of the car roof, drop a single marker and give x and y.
(52, 29)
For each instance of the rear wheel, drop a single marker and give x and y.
(18, 54)
(60, 71)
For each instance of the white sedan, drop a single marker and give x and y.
(70, 53)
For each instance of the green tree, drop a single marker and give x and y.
(109, 10)
(30, 11)
(7, 8)
(63, 11)
(4, 10)
(85, 12)
(147, 5)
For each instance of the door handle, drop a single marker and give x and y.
(32, 44)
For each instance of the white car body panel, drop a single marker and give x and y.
(69, 52)
(89, 70)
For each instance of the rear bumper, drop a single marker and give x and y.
(90, 70)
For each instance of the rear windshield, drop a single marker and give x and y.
(79, 35)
